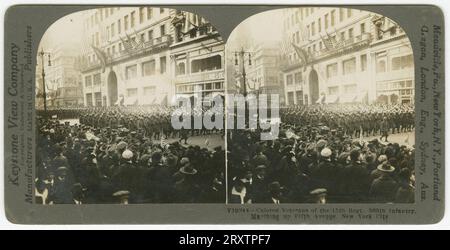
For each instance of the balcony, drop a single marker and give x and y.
(153, 46)
(340, 47)
(353, 43)
(200, 77)
(203, 31)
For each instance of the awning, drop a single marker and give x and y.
(332, 99)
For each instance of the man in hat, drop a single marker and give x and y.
(274, 193)
(376, 173)
(60, 159)
(319, 196)
(160, 179)
(384, 126)
(78, 194)
(308, 159)
(187, 189)
(384, 188)
(325, 175)
(215, 193)
(129, 177)
(355, 181)
(61, 193)
(259, 185)
(122, 196)
(406, 191)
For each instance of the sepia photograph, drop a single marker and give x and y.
(108, 81)
(227, 114)
(344, 81)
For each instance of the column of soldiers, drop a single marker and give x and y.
(354, 119)
(117, 155)
(319, 157)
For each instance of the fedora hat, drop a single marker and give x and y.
(386, 168)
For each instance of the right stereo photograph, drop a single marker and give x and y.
(334, 90)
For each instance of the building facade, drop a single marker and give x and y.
(135, 55)
(62, 78)
(263, 73)
(339, 55)
(198, 58)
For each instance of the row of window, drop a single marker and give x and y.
(348, 66)
(145, 36)
(296, 78)
(397, 85)
(199, 65)
(128, 20)
(148, 68)
(210, 86)
(298, 94)
(97, 99)
(142, 37)
(347, 89)
(94, 79)
(126, 24)
(147, 91)
(344, 35)
(326, 21)
(397, 63)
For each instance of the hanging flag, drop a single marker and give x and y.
(127, 45)
(141, 42)
(304, 56)
(329, 42)
(102, 56)
(131, 41)
(325, 43)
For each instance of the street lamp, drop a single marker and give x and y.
(44, 94)
(240, 56)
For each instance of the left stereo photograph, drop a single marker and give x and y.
(106, 90)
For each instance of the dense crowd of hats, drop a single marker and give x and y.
(321, 156)
(119, 155)
(107, 160)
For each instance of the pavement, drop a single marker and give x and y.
(205, 141)
(408, 138)
(208, 141)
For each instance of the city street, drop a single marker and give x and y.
(407, 139)
(206, 141)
